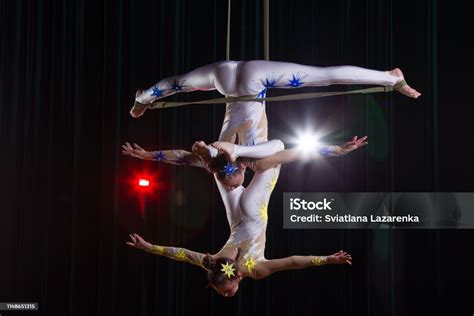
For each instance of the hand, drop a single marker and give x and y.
(354, 144)
(136, 151)
(138, 242)
(340, 257)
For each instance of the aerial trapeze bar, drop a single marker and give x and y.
(288, 97)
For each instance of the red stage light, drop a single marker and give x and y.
(143, 183)
(144, 186)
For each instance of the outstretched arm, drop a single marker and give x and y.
(175, 156)
(265, 268)
(175, 253)
(289, 155)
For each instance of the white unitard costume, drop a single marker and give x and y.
(247, 208)
(245, 123)
(239, 78)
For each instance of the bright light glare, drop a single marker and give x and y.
(143, 183)
(307, 142)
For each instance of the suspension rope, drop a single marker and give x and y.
(227, 51)
(266, 29)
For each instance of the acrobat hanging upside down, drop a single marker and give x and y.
(247, 213)
(228, 267)
(244, 134)
(257, 77)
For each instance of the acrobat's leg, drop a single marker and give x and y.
(231, 202)
(258, 151)
(202, 78)
(198, 79)
(254, 200)
(256, 77)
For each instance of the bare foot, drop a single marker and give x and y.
(406, 89)
(227, 149)
(138, 109)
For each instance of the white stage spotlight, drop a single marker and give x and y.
(308, 142)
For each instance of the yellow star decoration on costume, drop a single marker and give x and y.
(250, 264)
(264, 211)
(181, 255)
(273, 182)
(228, 269)
(317, 261)
(160, 249)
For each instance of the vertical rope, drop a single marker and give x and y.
(392, 234)
(266, 29)
(434, 92)
(370, 234)
(227, 50)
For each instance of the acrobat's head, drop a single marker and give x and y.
(231, 175)
(223, 274)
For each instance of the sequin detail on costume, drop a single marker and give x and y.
(267, 85)
(295, 81)
(160, 249)
(263, 210)
(181, 255)
(273, 182)
(327, 151)
(177, 85)
(250, 264)
(228, 269)
(159, 156)
(317, 261)
(157, 92)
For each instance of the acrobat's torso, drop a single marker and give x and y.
(247, 214)
(245, 123)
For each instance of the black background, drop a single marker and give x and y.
(69, 70)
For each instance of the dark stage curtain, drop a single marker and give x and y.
(69, 71)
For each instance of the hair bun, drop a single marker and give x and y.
(209, 262)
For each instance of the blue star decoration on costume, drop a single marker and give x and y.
(157, 92)
(267, 84)
(159, 156)
(176, 85)
(295, 82)
(229, 169)
(325, 151)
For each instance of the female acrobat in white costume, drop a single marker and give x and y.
(245, 123)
